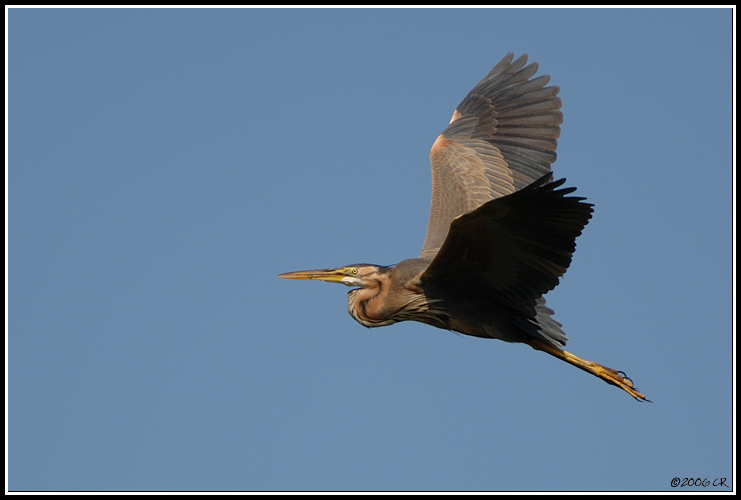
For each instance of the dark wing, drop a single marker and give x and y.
(501, 138)
(512, 249)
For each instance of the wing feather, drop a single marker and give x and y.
(502, 137)
(512, 249)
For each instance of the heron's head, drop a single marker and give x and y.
(357, 275)
(367, 302)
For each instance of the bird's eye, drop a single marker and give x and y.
(354, 270)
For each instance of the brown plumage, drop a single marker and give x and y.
(500, 234)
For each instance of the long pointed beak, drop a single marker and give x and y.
(330, 275)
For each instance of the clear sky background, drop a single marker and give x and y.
(165, 165)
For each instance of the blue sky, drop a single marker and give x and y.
(165, 165)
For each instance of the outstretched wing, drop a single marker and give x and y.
(502, 137)
(512, 249)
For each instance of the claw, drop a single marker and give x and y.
(625, 378)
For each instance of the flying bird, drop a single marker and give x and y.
(501, 231)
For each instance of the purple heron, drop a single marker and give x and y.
(501, 232)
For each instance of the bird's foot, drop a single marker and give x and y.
(619, 379)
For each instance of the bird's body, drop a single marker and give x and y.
(500, 233)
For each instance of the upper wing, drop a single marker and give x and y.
(512, 249)
(501, 138)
